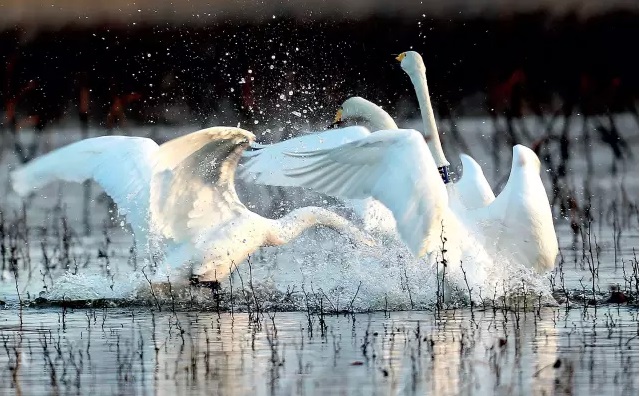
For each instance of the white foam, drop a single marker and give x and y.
(326, 263)
(86, 286)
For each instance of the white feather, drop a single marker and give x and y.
(120, 165)
(376, 166)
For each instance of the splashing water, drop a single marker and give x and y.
(322, 262)
(75, 287)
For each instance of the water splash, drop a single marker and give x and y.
(83, 286)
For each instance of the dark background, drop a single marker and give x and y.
(231, 70)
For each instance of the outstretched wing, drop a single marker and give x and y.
(193, 181)
(472, 188)
(266, 162)
(395, 167)
(121, 165)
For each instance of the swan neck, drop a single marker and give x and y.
(430, 132)
(298, 220)
(291, 225)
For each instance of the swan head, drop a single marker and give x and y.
(524, 157)
(357, 108)
(411, 62)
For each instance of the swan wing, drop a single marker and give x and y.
(192, 188)
(472, 188)
(266, 162)
(121, 165)
(395, 167)
(518, 223)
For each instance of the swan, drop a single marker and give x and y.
(530, 214)
(397, 168)
(472, 190)
(182, 190)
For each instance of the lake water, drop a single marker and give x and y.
(135, 351)
(319, 316)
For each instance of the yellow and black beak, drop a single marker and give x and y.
(400, 57)
(338, 116)
(337, 120)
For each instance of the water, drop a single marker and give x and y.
(318, 316)
(135, 351)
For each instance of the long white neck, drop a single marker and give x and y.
(419, 80)
(298, 220)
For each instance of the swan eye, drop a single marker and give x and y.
(400, 57)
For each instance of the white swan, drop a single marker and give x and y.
(182, 190)
(525, 195)
(396, 168)
(472, 189)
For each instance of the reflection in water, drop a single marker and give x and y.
(137, 351)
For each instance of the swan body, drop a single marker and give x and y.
(182, 191)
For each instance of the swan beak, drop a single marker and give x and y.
(337, 120)
(338, 116)
(400, 57)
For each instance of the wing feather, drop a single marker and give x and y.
(121, 165)
(394, 167)
(265, 164)
(193, 185)
(519, 222)
(472, 188)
